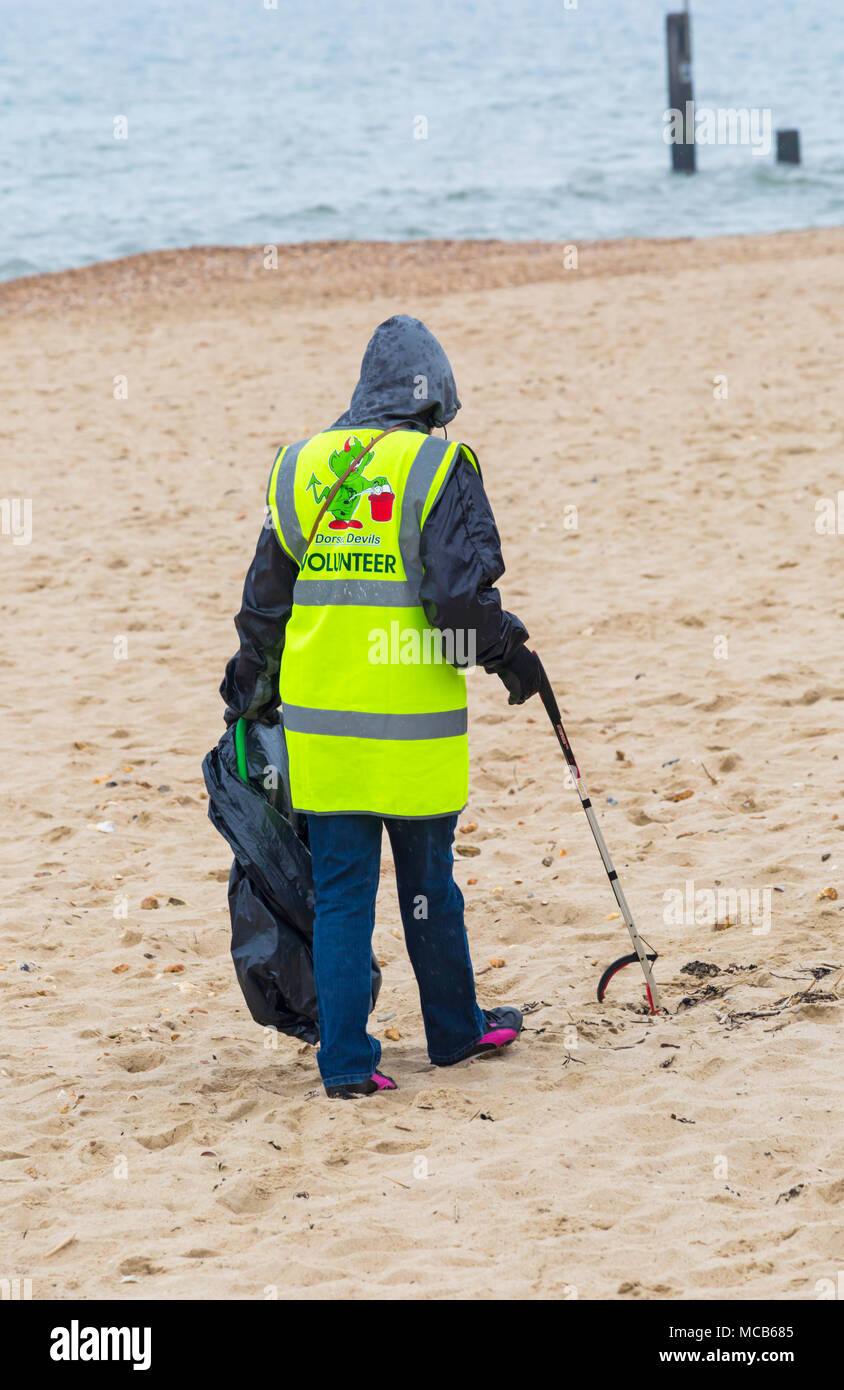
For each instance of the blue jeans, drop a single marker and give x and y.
(346, 854)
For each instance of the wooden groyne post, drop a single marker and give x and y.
(788, 147)
(678, 37)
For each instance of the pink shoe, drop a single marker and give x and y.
(503, 1027)
(376, 1082)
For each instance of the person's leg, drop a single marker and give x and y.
(432, 912)
(346, 856)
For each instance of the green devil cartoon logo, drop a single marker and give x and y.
(345, 501)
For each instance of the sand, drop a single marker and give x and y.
(155, 1142)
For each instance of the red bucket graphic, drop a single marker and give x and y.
(381, 505)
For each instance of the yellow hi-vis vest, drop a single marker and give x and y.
(374, 714)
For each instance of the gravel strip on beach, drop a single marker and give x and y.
(318, 271)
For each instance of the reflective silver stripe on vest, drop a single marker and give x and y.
(373, 593)
(285, 500)
(299, 719)
(419, 478)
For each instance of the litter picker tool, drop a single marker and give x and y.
(640, 954)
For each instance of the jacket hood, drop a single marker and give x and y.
(405, 378)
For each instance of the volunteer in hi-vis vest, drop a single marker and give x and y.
(370, 593)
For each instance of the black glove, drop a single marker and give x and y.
(522, 675)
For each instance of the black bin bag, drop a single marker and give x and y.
(271, 887)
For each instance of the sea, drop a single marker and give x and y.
(133, 125)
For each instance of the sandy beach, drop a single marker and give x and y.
(684, 398)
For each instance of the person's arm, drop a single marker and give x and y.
(462, 560)
(250, 685)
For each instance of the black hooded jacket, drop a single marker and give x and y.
(405, 379)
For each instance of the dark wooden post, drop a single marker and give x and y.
(788, 146)
(678, 39)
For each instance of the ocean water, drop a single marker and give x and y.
(385, 119)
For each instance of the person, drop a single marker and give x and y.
(371, 592)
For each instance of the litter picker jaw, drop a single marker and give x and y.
(639, 953)
(619, 965)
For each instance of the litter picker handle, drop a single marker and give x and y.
(547, 696)
(549, 700)
(640, 954)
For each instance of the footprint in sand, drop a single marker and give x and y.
(138, 1058)
(167, 1138)
(139, 1265)
(245, 1195)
